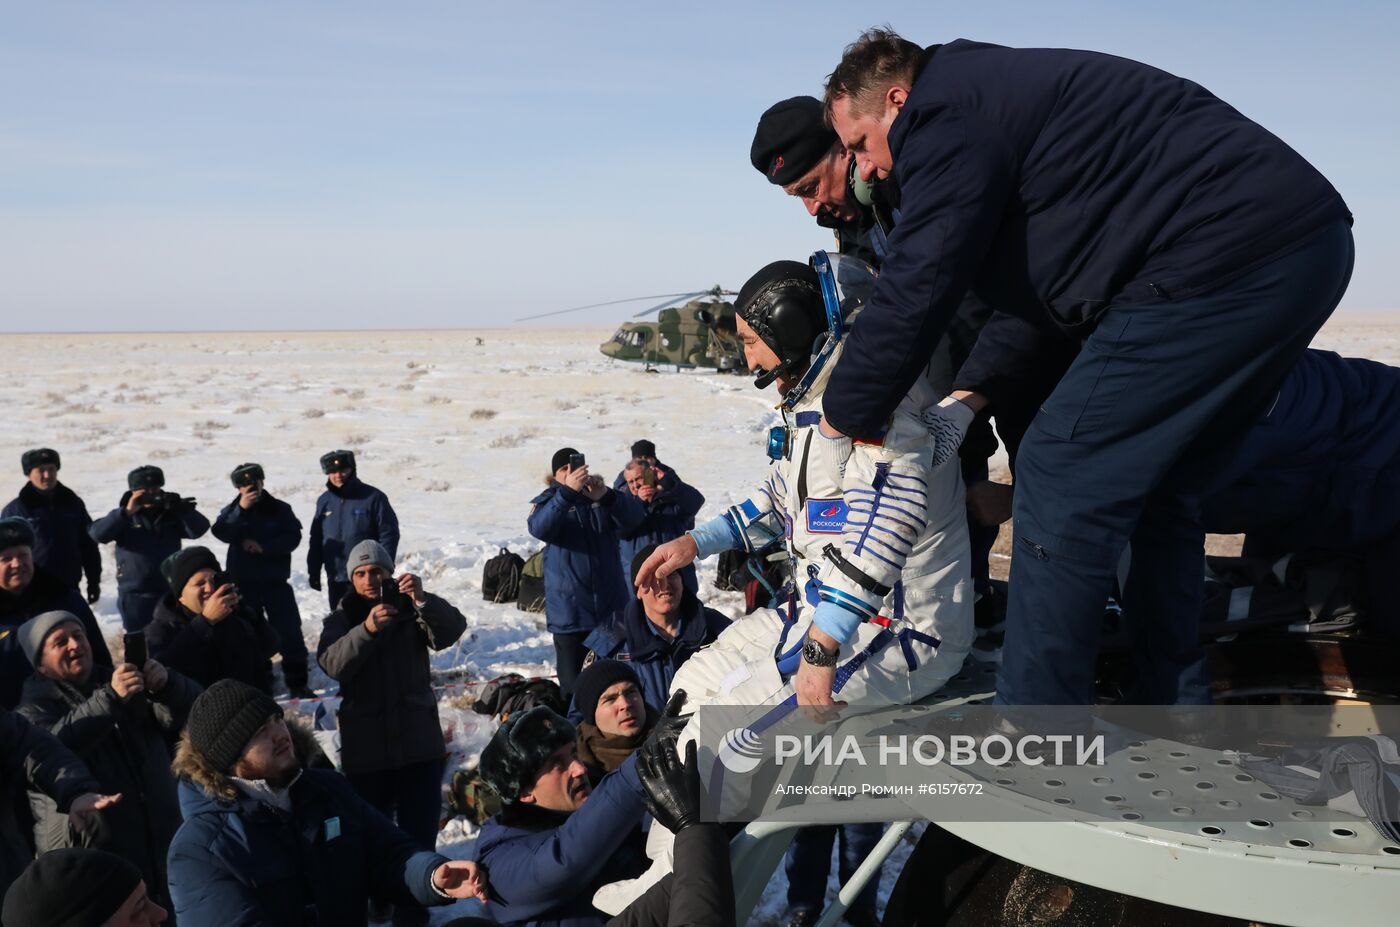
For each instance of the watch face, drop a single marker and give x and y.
(815, 654)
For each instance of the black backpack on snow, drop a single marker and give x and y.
(500, 578)
(514, 693)
(531, 595)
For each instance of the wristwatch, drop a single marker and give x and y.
(817, 655)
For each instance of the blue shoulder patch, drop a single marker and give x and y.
(826, 516)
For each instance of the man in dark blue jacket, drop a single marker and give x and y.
(1321, 472)
(62, 545)
(267, 841)
(348, 512)
(261, 532)
(657, 631)
(579, 520)
(556, 840)
(147, 526)
(1193, 252)
(27, 591)
(670, 506)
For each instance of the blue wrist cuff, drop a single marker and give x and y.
(714, 536)
(837, 620)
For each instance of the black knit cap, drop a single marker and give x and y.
(37, 458)
(181, 565)
(561, 458)
(336, 461)
(70, 888)
(146, 477)
(224, 718)
(643, 448)
(791, 138)
(521, 745)
(245, 474)
(595, 680)
(16, 532)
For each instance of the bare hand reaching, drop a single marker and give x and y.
(667, 559)
(461, 878)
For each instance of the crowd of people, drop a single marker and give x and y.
(1114, 266)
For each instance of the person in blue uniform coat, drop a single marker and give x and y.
(62, 545)
(348, 512)
(147, 526)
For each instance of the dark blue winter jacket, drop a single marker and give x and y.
(583, 585)
(1322, 468)
(45, 593)
(145, 539)
(62, 544)
(344, 517)
(631, 637)
(242, 863)
(544, 866)
(669, 514)
(271, 523)
(1057, 183)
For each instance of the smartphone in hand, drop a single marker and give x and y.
(134, 648)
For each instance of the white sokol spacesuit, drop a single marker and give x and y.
(878, 537)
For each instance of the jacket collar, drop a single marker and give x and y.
(350, 490)
(39, 687)
(34, 499)
(529, 817)
(44, 587)
(644, 641)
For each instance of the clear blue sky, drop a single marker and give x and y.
(457, 164)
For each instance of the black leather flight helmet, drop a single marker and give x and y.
(782, 303)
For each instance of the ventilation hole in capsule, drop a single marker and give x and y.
(1210, 830)
(1343, 832)
(1268, 796)
(1260, 823)
(1161, 793)
(1131, 816)
(1298, 843)
(1204, 785)
(1147, 775)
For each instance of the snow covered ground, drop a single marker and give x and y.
(456, 426)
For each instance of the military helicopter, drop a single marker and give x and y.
(699, 333)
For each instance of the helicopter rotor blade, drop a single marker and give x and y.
(611, 302)
(678, 297)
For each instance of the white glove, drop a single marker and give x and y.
(947, 424)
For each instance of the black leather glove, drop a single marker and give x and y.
(314, 580)
(672, 721)
(672, 787)
(94, 593)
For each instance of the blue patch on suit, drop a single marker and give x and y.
(826, 516)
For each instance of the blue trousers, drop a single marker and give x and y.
(278, 604)
(136, 608)
(411, 797)
(809, 863)
(1121, 452)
